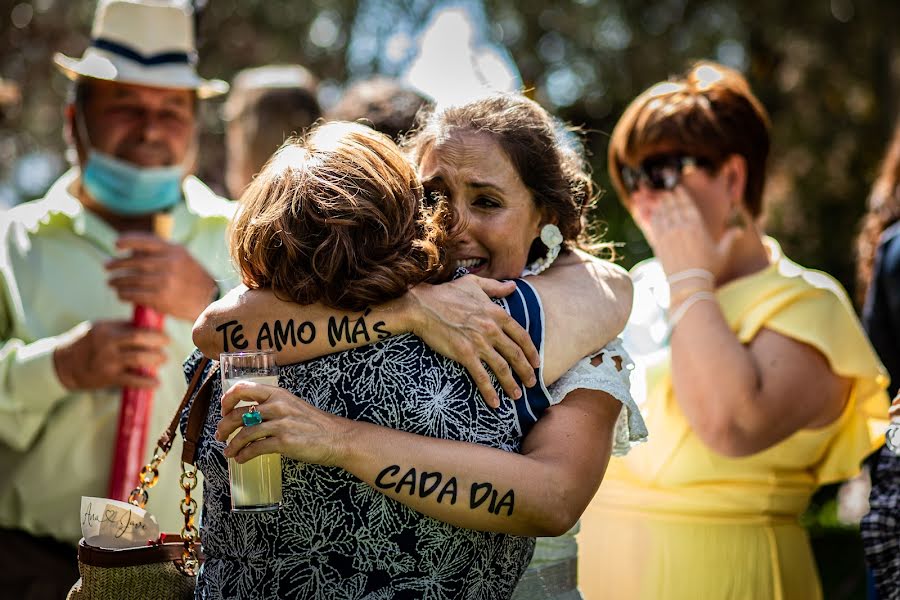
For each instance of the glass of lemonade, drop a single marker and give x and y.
(256, 484)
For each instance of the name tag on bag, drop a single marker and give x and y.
(109, 523)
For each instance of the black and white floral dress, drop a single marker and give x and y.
(337, 538)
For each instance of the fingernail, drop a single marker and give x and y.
(518, 393)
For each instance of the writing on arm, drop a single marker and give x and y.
(278, 334)
(481, 496)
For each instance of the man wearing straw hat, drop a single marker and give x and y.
(73, 264)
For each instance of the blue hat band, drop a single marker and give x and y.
(163, 58)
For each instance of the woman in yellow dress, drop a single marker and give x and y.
(760, 384)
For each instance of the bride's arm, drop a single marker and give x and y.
(540, 492)
(586, 304)
(467, 327)
(248, 319)
(456, 319)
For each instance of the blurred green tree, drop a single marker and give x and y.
(829, 72)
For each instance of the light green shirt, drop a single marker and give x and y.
(56, 445)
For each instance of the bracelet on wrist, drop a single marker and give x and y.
(687, 274)
(679, 293)
(686, 305)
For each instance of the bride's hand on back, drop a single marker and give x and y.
(458, 320)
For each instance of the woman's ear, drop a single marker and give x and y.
(734, 170)
(547, 217)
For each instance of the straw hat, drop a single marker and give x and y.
(145, 42)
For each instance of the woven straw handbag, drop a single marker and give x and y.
(166, 569)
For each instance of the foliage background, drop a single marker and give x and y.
(827, 70)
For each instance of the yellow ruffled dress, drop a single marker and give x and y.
(674, 520)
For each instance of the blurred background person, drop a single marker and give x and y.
(382, 103)
(879, 274)
(766, 388)
(878, 264)
(72, 266)
(266, 106)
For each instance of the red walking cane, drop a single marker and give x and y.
(137, 404)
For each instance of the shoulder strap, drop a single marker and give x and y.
(168, 436)
(149, 475)
(199, 409)
(196, 418)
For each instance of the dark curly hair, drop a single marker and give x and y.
(338, 217)
(546, 155)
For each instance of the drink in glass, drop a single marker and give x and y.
(256, 484)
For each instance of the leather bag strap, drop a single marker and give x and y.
(168, 436)
(171, 550)
(196, 419)
(149, 475)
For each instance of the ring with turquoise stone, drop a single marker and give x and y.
(251, 417)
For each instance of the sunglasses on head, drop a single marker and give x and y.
(659, 172)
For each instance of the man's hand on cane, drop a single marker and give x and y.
(160, 275)
(110, 354)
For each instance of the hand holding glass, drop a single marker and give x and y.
(256, 484)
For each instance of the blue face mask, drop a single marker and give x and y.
(126, 189)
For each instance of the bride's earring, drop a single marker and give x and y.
(551, 237)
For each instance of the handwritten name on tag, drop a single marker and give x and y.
(109, 523)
